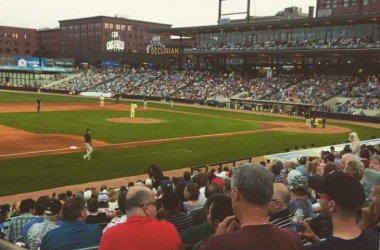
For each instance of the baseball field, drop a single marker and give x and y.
(45, 150)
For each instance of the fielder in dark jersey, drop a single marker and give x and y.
(88, 143)
(38, 104)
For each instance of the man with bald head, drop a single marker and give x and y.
(141, 230)
(278, 210)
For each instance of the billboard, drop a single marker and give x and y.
(115, 44)
(156, 48)
(28, 61)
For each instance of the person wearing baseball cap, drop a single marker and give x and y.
(340, 195)
(38, 230)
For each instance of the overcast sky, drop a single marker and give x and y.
(180, 13)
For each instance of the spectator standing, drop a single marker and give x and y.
(155, 174)
(252, 190)
(355, 143)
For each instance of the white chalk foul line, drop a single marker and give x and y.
(65, 149)
(36, 152)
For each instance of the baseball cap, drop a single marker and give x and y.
(372, 176)
(299, 182)
(54, 207)
(166, 184)
(293, 174)
(340, 187)
(103, 197)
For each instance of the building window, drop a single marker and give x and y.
(365, 2)
(1, 50)
(8, 50)
(70, 28)
(111, 25)
(353, 3)
(8, 43)
(6, 34)
(130, 28)
(374, 1)
(328, 6)
(117, 26)
(335, 4)
(27, 51)
(15, 51)
(16, 43)
(345, 3)
(15, 35)
(98, 25)
(27, 44)
(106, 26)
(122, 27)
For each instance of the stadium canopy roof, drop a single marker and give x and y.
(272, 25)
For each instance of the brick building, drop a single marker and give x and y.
(345, 7)
(91, 34)
(50, 42)
(17, 41)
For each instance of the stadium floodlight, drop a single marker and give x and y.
(236, 13)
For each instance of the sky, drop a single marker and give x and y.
(39, 14)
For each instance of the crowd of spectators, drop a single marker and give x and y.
(316, 44)
(193, 85)
(268, 205)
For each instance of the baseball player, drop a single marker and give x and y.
(145, 103)
(308, 120)
(88, 143)
(38, 104)
(171, 103)
(133, 109)
(101, 101)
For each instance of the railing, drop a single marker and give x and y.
(200, 168)
(5, 245)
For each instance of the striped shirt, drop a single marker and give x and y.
(282, 219)
(181, 221)
(16, 224)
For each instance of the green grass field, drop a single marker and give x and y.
(38, 173)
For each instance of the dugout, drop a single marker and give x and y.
(270, 106)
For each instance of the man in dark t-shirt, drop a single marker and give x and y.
(252, 190)
(38, 104)
(339, 196)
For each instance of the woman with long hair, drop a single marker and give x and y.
(156, 175)
(355, 143)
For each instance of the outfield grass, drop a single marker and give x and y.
(37, 173)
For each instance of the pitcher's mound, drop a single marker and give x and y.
(135, 120)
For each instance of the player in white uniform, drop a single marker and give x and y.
(145, 103)
(133, 109)
(101, 101)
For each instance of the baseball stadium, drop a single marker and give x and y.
(277, 117)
